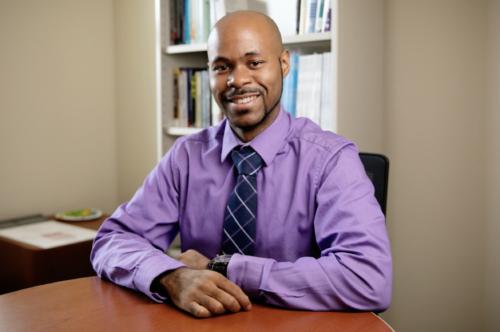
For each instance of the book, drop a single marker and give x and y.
(328, 117)
(309, 87)
(186, 26)
(25, 220)
(289, 96)
(302, 14)
(312, 7)
(328, 20)
(175, 21)
(326, 16)
(318, 24)
(191, 98)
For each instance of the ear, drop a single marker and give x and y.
(285, 62)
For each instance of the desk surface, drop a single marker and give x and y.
(90, 304)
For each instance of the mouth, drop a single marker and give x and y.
(242, 99)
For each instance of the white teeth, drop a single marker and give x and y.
(244, 100)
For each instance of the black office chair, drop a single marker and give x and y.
(377, 169)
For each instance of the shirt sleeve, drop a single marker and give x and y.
(354, 270)
(129, 248)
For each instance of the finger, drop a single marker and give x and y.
(236, 292)
(198, 310)
(228, 301)
(212, 305)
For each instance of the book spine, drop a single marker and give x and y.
(328, 21)
(303, 15)
(198, 118)
(324, 14)
(176, 110)
(311, 16)
(319, 15)
(183, 99)
(295, 74)
(186, 13)
(191, 97)
(327, 118)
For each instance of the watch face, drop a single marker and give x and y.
(219, 264)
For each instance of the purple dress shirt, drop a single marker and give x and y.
(321, 240)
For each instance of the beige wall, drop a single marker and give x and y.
(435, 137)
(492, 282)
(57, 116)
(360, 73)
(135, 93)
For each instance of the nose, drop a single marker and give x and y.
(238, 77)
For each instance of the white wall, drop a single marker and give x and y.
(435, 136)
(135, 93)
(57, 115)
(492, 282)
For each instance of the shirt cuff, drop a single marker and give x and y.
(149, 269)
(248, 272)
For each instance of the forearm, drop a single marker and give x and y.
(333, 282)
(129, 260)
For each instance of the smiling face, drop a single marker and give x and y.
(247, 64)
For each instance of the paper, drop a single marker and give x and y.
(48, 234)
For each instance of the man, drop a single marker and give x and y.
(288, 205)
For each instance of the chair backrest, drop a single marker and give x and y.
(377, 169)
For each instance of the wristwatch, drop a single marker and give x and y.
(219, 264)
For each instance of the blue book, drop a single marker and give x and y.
(289, 97)
(186, 31)
(311, 19)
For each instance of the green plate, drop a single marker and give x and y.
(79, 215)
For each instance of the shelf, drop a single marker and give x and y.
(310, 38)
(181, 131)
(186, 48)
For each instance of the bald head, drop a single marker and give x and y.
(243, 24)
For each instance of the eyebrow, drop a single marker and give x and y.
(247, 54)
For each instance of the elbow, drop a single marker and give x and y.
(368, 290)
(381, 300)
(376, 295)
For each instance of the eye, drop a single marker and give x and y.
(254, 64)
(220, 67)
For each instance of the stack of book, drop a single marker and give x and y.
(192, 99)
(308, 88)
(191, 20)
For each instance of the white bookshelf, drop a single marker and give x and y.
(181, 131)
(310, 39)
(194, 55)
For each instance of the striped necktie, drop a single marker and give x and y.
(241, 211)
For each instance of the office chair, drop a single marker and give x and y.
(377, 169)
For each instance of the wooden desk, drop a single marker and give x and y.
(90, 304)
(23, 265)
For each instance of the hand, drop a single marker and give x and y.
(193, 259)
(204, 293)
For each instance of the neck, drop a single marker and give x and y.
(247, 134)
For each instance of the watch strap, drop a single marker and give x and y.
(219, 264)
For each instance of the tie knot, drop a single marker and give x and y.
(246, 160)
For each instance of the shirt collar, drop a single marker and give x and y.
(266, 144)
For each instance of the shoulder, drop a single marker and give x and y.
(309, 135)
